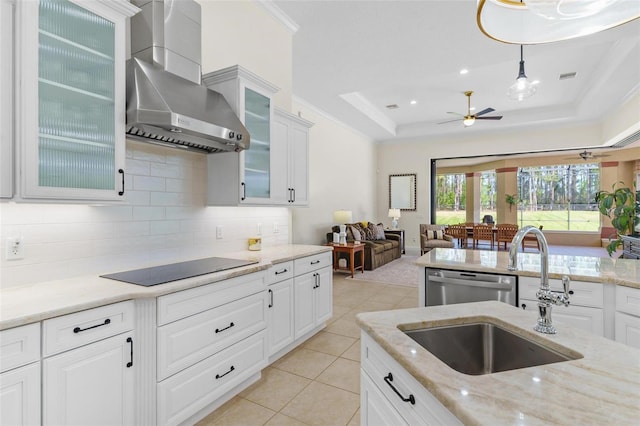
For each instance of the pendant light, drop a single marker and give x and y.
(522, 88)
(546, 21)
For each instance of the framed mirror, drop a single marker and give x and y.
(402, 191)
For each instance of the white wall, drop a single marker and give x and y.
(164, 219)
(342, 175)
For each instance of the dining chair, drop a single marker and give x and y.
(505, 233)
(459, 232)
(482, 233)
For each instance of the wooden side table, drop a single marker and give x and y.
(398, 232)
(351, 249)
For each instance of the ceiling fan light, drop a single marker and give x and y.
(468, 121)
(514, 22)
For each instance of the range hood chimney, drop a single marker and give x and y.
(166, 102)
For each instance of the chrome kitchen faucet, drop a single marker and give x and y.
(546, 296)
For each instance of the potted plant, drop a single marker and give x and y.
(622, 206)
(512, 200)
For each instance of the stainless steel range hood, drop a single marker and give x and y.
(166, 104)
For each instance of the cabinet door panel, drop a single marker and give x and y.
(20, 396)
(324, 296)
(91, 385)
(280, 315)
(375, 409)
(628, 329)
(299, 165)
(303, 310)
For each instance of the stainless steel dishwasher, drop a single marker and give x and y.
(447, 287)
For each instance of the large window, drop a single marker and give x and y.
(451, 190)
(559, 197)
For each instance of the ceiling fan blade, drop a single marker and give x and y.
(485, 111)
(450, 121)
(491, 117)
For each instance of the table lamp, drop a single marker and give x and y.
(395, 214)
(342, 217)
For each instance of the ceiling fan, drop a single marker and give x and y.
(588, 155)
(470, 119)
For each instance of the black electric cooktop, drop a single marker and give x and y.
(177, 271)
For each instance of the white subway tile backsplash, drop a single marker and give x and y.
(163, 218)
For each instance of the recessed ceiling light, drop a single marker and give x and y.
(464, 71)
(413, 102)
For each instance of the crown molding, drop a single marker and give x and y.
(279, 15)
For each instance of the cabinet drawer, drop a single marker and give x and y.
(280, 272)
(183, 394)
(378, 364)
(19, 346)
(311, 263)
(185, 342)
(182, 304)
(74, 330)
(628, 300)
(584, 293)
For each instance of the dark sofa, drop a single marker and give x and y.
(377, 252)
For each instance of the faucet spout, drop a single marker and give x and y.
(546, 297)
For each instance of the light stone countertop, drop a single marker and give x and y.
(30, 303)
(624, 272)
(601, 388)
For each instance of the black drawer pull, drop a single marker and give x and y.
(78, 329)
(271, 298)
(218, 330)
(315, 262)
(130, 341)
(281, 272)
(220, 376)
(121, 193)
(411, 399)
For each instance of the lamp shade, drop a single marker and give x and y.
(546, 21)
(394, 212)
(342, 216)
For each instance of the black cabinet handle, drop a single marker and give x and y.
(219, 376)
(315, 262)
(411, 399)
(78, 329)
(130, 341)
(244, 191)
(290, 196)
(270, 298)
(281, 272)
(524, 306)
(121, 193)
(293, 199)
(318, 280)
(570, 291)
(218, 330)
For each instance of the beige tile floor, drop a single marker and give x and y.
(318, 383)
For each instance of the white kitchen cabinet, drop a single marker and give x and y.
(383, 378)
(90, 385)
(88, 367)
(280, 306)
(292, 134)
(313, 293)
(586, 310)
(627, 316)
(20, 396)
(245, 177)
(7, 16)
(20, 377)
(71, 100)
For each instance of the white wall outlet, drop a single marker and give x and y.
(276, 228)
(15, 248)
(219, 232)
(259, 229)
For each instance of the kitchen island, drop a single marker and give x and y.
(601, 387)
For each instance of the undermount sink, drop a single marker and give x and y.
(484, 348)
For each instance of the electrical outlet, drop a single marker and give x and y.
(276, 228)
(259, 229)
(15, 248)
(219, 232)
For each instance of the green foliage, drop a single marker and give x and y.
(622, 206)
(511, 199)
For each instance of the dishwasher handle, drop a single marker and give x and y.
(472, 283)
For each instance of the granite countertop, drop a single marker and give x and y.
(624, 272)
(30, 303)
(603, 387)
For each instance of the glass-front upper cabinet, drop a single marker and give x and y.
(72, 105)
(245, 177)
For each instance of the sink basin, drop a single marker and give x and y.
(484, 348)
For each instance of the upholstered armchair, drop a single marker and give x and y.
(433, 236)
